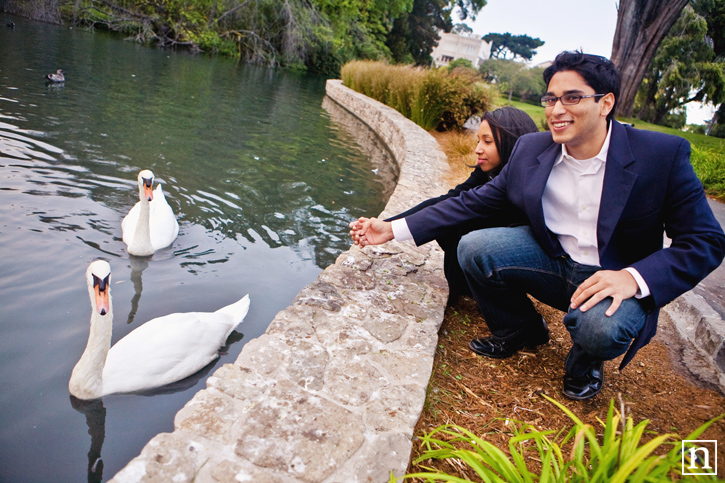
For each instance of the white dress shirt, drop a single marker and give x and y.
(571, 202)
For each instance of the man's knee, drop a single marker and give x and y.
(471, 251)
(601, 336)
(480, 246)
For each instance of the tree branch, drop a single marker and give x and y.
(113, 6)
(229, 12)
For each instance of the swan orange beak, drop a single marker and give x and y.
(100, 287)
(148, 190)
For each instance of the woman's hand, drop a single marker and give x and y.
(370, 231)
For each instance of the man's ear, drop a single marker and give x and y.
(606, 104)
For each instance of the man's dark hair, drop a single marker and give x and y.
(598, 72)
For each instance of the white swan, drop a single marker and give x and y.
(161, 351)
(151, 224)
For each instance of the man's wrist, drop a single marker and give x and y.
(642, 287)
(400, 230)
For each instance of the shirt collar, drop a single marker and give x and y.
(602, 156)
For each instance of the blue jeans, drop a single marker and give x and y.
(503, 265)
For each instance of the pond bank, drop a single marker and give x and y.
(332, 391)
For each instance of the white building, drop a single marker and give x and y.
(454, 46)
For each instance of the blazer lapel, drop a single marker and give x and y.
(535, 182)
(618, 184)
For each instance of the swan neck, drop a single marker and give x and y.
(142, 235)
(87, 378)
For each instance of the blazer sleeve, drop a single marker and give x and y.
(488, 204)
(478, 177)
(698, 242)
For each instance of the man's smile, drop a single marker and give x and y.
(560, 124)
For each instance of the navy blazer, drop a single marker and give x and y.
(649, 188)
(478, 177)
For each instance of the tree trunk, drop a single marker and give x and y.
(641, 26)
(712, 122)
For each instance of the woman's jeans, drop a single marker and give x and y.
(503, 265)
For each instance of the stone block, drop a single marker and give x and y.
(238, 382)
(370, 302)
(404, 366)
(349, 278)
(242, 471)
(352, 380)
(394, 408)
(264, 355)
(387, 327)
(306, 365)
(354, 258)
(381, 454)
(707, 337)
(299, 434)
(210, 414)
(168, 457)
(295, 322)
(423, 336)
(344, 336)
(320, 294)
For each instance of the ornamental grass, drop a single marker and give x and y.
(432, 98)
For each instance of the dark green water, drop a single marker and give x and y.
(262, 178)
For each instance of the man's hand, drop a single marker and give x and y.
(620, 285)
(370, 231)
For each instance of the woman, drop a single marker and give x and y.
(497, 134)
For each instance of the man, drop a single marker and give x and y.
(578, 217)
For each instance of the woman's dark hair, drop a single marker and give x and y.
(507, 125)
(598, 72)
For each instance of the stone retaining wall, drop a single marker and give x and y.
(332, 391)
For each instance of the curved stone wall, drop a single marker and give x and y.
(332, 391)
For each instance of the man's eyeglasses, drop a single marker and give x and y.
(566, 99)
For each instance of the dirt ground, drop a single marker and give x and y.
(477, 393)
(474, 392)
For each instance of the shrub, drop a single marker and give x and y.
(710, 168)
(432, 98)
(621, 454)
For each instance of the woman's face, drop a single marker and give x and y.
(486, 149)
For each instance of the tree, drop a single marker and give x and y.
(683, 70)
(462, 29)
(641, 27)
(513, 77)
(521, 46)
(414, 34)
(360, 27)
(714, 13)
(461, 63)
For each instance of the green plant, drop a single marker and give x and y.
(625, 452)
(710, 168)
(432, 98)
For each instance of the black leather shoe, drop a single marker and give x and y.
(584, 377)
(503, 347)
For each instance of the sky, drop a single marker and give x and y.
(561, 24)
(587, 25)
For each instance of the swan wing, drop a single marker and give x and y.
(165, 350)
(237, 311)
(163, 224)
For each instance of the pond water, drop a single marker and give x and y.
(263, 182)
